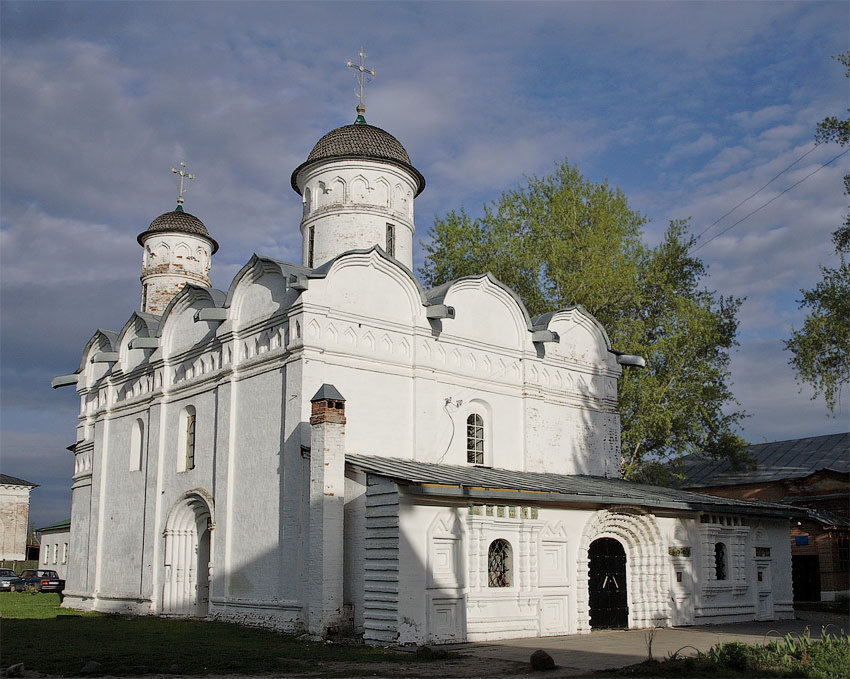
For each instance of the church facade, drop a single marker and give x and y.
(328, 446)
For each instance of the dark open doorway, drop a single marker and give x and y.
(805, 576)
(609, 604)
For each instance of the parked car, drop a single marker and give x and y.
(10, 581)
(43, 580)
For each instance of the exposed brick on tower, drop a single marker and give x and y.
(328, 410)
(177, 250)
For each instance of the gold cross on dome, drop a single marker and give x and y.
(183, 176)
(361, 78)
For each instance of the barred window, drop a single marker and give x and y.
(475, 439)
(499, 564)
(311, 246)
(720, 561)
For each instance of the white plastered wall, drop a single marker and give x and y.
(55, 551)
(445, 594)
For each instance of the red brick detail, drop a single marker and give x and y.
(327, 410)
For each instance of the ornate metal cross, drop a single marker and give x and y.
(183, 175)
(361, 77)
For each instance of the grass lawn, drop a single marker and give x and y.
(33, 605)
(32, 634)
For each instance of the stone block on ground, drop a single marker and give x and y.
(541, 660)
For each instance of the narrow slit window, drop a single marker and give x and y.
(391, 240)
(311, 245)
(186, 441)
(499, 564)
(475, 439)
(720, 561)
(137, 439)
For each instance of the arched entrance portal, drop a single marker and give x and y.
(609, 603)
(186, 576)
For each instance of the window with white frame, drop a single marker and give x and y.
(475, 439)
(65, 553)
(56, 553)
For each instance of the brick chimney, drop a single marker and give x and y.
(327, 500)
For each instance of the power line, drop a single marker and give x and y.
(814, 146)
(728, 228)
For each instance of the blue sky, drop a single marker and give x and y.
(688, 107)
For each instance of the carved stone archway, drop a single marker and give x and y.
(646, 563)
(187, 556)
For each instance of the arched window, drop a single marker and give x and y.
(499, 564)
(137, 438)
(720, 561)
(186, 440)
(475, 439)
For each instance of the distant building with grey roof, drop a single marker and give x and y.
(811, 473)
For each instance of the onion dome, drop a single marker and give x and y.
(360, 141)
(178, 221)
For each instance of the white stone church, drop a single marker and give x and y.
(327, 446)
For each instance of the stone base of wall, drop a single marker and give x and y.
(282, 618)
(839, 595)
(77, 602)
(119, 605)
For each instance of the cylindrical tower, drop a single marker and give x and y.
(357, 188)
(177, 250)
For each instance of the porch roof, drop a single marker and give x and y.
(485, 483)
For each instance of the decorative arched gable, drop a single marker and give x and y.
(582, 337)
(259, 290)
(178, 330)
(139, 324)
(646, 561)
(101, 341)
(370, 283)
(485, 310)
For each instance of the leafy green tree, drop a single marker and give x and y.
(821, 348)
(562, 240)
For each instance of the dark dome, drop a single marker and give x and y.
(360, 140)
(178, 221)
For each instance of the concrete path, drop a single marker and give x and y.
(607, 649)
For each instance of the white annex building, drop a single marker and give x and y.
(327, 446)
